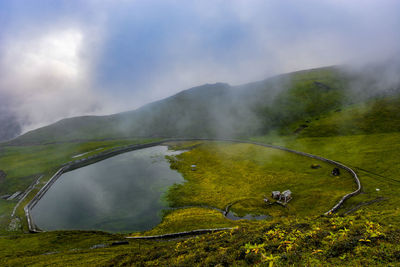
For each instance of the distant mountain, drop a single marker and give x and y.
(286, 103)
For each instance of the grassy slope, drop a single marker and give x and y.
(353, 240)
(330, 241)
(187, 219)
(380, 115)
(373, 156)
(364, 136)
(212, 110)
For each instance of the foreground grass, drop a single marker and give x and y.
(367, 237)
(353, 240)
(188, 219)
(243, 174)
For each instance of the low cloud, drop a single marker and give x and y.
(98, 57)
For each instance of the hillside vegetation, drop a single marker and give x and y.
(348, 116)
(286, 103)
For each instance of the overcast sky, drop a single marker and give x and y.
(67, 58)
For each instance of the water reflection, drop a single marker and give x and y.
(120, 194)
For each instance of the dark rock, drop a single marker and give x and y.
(335, 172)
(300, 128)
(118, 243)
(315, 166)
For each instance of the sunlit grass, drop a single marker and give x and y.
(243, 174)
(187, 219)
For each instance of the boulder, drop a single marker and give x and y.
(336, 172)
(315, 166)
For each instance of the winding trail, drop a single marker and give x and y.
(113, 152)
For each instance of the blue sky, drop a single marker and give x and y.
(67, 58)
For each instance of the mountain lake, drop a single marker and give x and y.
(120, 194)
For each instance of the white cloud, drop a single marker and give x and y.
(47, 77)
(53, 58)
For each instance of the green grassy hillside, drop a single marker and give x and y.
(329, 112)
(216, 110)
(378, 115)
(285, 103)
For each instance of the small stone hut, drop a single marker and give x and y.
(276, 194)
(286, 196)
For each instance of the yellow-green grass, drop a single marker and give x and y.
(30, 249)
(349, 241)
(243, 174)
(374, 157)
(187, 219)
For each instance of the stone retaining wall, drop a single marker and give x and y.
(181, 234)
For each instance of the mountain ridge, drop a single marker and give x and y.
(281, 103)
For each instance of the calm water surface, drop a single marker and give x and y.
(119, 194)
